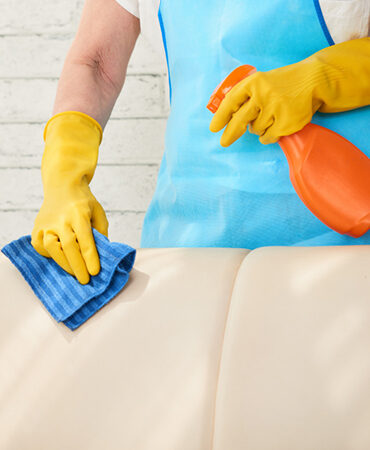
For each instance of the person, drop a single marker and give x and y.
(212, 191)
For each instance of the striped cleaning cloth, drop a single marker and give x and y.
(63, 296)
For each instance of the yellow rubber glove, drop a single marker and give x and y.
(282, 101)
(62, 228)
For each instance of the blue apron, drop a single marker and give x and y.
(239, 196)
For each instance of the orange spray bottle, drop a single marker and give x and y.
(330, 175)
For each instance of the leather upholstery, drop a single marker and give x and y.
(204, 348)
(295, 370)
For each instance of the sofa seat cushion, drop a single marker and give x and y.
(140, 374)
(295, 368)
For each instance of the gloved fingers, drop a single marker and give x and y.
(99, 219)
(86, 241)
(262, 122)
(277, 130)
(239, 123)
(271, 135)
(53, 246)
(37, 243)
(233, 100)
(72, 252)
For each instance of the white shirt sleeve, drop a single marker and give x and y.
(132, 6)
(346, 19)
(147, 12)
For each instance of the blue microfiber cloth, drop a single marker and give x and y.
(63, 296)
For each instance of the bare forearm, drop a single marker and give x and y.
(82, 87)
(95, 67)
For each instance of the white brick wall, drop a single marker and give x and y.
(34, 38)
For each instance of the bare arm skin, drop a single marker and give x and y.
(95, 67)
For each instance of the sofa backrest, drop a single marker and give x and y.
(204, 348)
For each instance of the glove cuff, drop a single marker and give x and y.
(78, 117)
(72, 143)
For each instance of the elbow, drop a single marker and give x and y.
(107, 74)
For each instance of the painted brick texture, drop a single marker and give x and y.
(34, 39)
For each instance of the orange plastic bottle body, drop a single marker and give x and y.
(331, 177)
(330, 174)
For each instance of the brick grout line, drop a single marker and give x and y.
(128, 164)
(40, 122)
(142, 70)
(131, 74)
(121, 211)
(57, 35)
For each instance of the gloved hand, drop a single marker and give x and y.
(62, 228)
(282, 101)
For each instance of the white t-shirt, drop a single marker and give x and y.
(345, 19)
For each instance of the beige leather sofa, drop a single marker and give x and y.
(205, 348)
